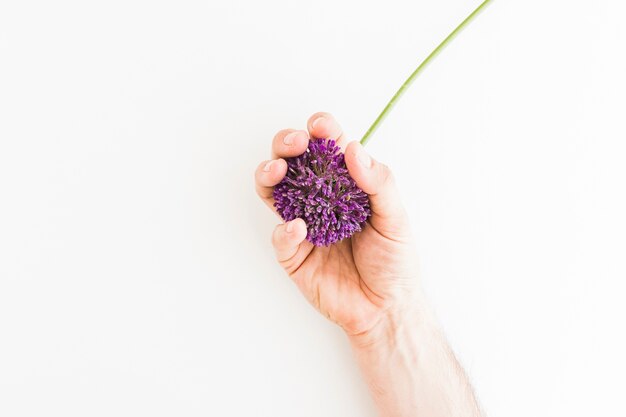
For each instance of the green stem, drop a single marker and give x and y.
(418, 70)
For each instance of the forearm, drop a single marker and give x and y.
(410, 368)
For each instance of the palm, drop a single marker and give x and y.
(352, 281)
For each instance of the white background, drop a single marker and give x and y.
(136, 272)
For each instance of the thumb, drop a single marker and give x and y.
(376, 179)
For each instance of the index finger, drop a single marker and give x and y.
(322, 125)
(289, 142)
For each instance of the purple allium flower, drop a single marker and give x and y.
(318, 189)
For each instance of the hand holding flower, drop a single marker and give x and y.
(355, 281)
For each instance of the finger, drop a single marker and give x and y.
(289, 142)
(289, 244)
(267, 175)
(323, 125)
(376, 179)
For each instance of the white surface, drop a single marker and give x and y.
(136, 274)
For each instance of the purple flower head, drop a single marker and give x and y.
(318, 189)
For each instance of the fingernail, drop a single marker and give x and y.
(267, 166)
(288, 140)
(317, 121)
(289, 227)
(363, 158)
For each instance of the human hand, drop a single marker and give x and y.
(368, 285)
(358, 282)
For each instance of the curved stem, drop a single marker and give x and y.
(417, 71)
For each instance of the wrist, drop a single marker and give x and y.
(409, 316)
(409, 367)
(395, 355)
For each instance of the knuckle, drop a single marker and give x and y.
(277, 142)
(258, 175)
(278, 137)
(259, 168)
(318, 114)
(386, 174)
(275, 239)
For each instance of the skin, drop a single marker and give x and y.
(369, 286)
